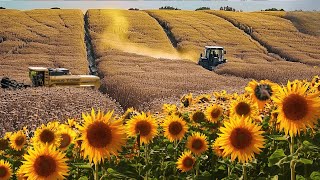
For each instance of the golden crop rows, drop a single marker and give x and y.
(137, 78)
(246, 57)
(49, 38)
(279, 35)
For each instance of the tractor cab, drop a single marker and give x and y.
(37, 75)
(213, 56)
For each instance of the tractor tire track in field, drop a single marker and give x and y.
(91, 57)
(89, 47)
(167, 29)
(250, 32)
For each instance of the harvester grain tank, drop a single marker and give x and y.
(213, 56)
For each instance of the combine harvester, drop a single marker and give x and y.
(50, 77)
(214, 55)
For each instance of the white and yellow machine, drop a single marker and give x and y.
(41, 76)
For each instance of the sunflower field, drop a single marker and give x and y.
(269, 132)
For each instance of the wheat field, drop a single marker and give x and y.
(137, 78)
(50, 38)
(247, 58)
(279, 35)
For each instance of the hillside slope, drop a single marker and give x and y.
(279, 35)
(247, 58)
(49, 38)
(136, 78)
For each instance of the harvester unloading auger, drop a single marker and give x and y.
(49, 77)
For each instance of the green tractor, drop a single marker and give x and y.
(213, 56)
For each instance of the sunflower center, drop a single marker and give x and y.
(188, 162)
(198, 117)
(143, 127)
(3, 172)
(47, 136)
(65, 140)
(175, 128)
(295, 107)
(215, 113)
(240, 138)
(99, 135)
(3, 144)
(197, 144)
(319, 88)
(19, 141)
(263, 92)
(243, 109)
(45, 166)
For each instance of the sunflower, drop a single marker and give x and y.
(174, 128)
(240, 138)
(213, 113)
(18, 140)
(198, 116)
(222, 96)
(316, 87)
(261, 91)
(47, 135)
(144, 125)
(5, 170)
(297, 108)
(197, 143)
(71, 123)
(44, 162)
(169, 109)
(186, 100)
(315, 80)
(217, 149)
(20, 175)
(186, 161)
(243, 106)
(102, 136)
(7, 135)
(67, 137)
(4, 144)
(130, 112)
(202, 98)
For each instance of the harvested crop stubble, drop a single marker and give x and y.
(139, 80)
(35, 106)
(279, 35)
(50, 38)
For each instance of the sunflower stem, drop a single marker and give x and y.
(146, 159)
(244, 172)
(197, 166)
(292, 163)
(175, 154)
(96, 170)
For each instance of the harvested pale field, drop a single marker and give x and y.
(137, 79)
(279, 35)
(49, 38)
(246, 57)
(35, 106)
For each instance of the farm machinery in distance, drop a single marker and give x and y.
(49, 77)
